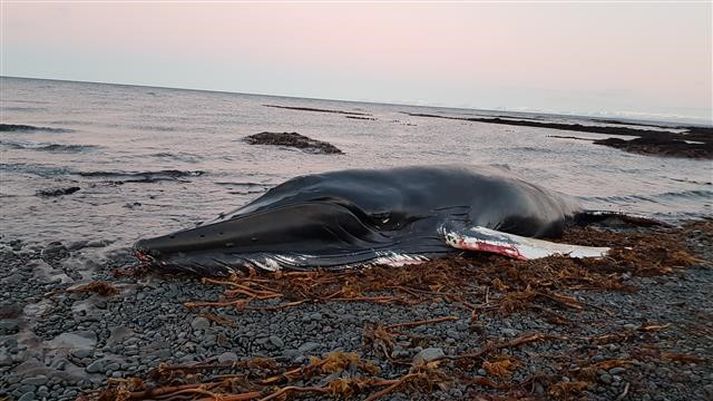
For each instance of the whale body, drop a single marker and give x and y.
(357, 217)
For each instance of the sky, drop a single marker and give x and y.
(649, 59)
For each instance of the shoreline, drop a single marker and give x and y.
(60, 345)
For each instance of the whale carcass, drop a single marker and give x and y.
(359, 217)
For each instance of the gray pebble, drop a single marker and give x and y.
(227, 357)
(277, 341)
(428, 355)
(36, 381)
(617, 371)
(308, 347)
(606, 378)
(200, 323)
(96, 366)
(82, 353)
(27, 388)
(28, 396)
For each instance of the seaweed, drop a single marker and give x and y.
(478, 284)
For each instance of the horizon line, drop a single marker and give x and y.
(619, 116)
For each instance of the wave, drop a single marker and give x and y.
(160, 128)
(48, 147)
(184, 157)
(142, 176)
(30, 128)
(691, 181)
(531, 149)
(244, 184)
(21, 108)
(26, 101)
(248, 192)
(693, 194)
(34, 169)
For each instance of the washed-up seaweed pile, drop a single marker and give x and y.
(477, 284)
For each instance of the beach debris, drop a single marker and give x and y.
(103, 288)
(293, 140)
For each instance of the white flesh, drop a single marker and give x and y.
(483, 239)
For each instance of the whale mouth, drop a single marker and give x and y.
(298, 236)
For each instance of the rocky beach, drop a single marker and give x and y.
(88, 169)
(636, 327)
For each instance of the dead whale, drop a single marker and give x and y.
(358, 217)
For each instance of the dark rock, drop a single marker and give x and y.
(294, 140)
(606, 378)
(10, 310)
(52, 192)
(27, 128)
(661, 145)
(55, 250)
(9, 326)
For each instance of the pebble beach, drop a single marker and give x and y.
(61, 344)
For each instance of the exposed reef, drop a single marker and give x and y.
(293, 140)
(361, 118)
(53, 192)
(353, 113)
(687, 141)
(661, 146)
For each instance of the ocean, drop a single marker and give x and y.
(152, 160)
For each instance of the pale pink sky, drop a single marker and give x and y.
(649, 58)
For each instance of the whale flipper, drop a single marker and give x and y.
(482, 239)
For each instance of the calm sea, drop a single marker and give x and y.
(152, 160)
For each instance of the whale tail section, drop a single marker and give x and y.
(482, 239)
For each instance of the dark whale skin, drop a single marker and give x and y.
(352, 217)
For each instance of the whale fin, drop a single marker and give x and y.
(483, 239)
